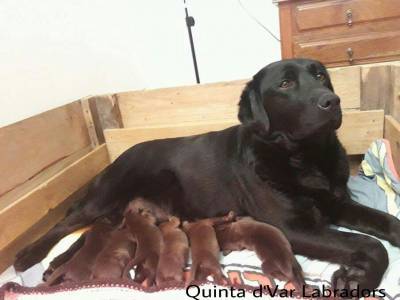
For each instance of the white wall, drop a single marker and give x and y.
(56, 51)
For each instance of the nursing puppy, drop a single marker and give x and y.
(269, 243)
(205, 249)
(79, 267)
(147, 235)
(112, 260)
(142, 204)
(174, 253)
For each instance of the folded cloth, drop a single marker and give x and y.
(377, 184)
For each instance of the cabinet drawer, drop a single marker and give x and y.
(351, 49)
(312, 15)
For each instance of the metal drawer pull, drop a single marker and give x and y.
(350, 54)
(349, 17)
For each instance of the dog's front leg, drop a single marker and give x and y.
(363, 259)
(64, 257)
(355, 216)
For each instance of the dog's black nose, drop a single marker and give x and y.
(326, 102)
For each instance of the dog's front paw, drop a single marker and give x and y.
(394, 232)
(47, 273)
(352, 278)
(29, 256)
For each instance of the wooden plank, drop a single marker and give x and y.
(393, 103)
(29, 146)
(33, 206)
(7, 255)
(11, 196)
(346, 83)
(375, 86)
(358, 130)
(94, 140)
(286, 30)
(211, 102)
(118, 140)
(354, 163)
(105, 113)
(201, 103)
(392, 133)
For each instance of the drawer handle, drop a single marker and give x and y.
(350, 54)
(349, 17)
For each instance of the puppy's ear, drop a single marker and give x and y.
(251, 109)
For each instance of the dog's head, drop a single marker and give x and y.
(291, 97)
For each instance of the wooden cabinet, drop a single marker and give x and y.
(340, 32)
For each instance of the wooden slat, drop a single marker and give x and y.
(200, 103)
(27, 186)
(392, 133)
(34, 205)
(375, 86)
(7, 255)
(29, 146)
(94, 140)
(358, 130)
(105, 113)
(211, 102)
(393, 103)
(286, 30)
(354, 163)
(118, 140)
(346, 83)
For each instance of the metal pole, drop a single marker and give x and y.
(190, 23)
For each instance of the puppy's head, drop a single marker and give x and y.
(149, 216)
(291, 97)
(171, 224)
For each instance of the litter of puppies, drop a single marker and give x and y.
(156, 245)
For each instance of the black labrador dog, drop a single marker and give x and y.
(283, 165)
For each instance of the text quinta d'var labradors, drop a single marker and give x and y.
(201, 292)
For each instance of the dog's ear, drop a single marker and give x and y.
(251, 109)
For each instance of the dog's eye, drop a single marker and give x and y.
(320, 77)
(285, 84)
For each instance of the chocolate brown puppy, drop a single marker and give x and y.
(149, 242)
(205, 249)
(112, 260)
(143, 204)
(79, 267)
(174, 253)
(269, 243)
